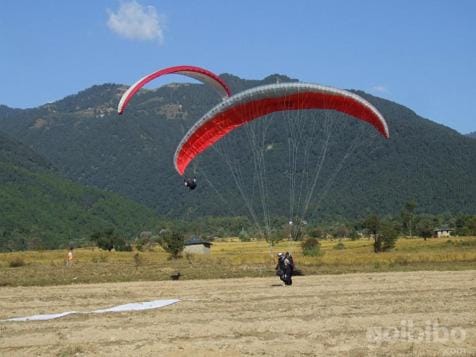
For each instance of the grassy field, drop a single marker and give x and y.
(320, 315)
(233, 259)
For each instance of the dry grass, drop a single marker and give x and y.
(233, 259)
(320, 315)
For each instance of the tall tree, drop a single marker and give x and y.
(424, 227)
(407, 215)
(173, 242)
(372, 225)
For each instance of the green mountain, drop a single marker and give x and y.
(40, 209)
(472, 135)
(132, 155)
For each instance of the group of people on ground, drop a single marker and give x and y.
(285, 268)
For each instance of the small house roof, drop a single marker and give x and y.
(443, 228)
(197, 240)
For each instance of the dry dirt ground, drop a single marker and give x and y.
(416, 313)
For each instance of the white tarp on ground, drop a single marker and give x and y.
(41, 317)
(135, 306)
(138, 306)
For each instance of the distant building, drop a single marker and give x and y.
(442, 232)
(196, 245)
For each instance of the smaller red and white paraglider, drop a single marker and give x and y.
(201, 74)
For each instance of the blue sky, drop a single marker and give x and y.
(421, 54)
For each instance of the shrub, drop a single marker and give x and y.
(424, 228)
(311, 247)
(104, 240)
(140, 243)
(316, 232)
(339, 246)
(173, 243)
(296, 232)
(105, 244)
(389, 236)
(274, 237)
(384, 233)
(244, 236)
(109, 240)
(120, 245)
(354, 235)
(16, 262)
(341, 232)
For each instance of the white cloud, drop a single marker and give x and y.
(136, 22)
(380, 89)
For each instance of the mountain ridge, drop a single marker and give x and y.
(132, 154)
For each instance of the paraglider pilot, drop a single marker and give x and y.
(280, 266)
(288, 268)
(190, 183)
(285, 267)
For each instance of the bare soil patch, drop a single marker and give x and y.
(419, 313)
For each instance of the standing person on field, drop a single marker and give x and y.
(288, 269)
(69, 258)
(280, 267)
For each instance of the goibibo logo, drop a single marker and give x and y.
(407, 331)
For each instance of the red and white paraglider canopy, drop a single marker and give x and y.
(257, 102)
(200, 74)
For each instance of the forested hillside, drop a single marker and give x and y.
(132, 154)
(40, 209)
